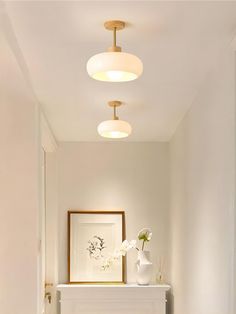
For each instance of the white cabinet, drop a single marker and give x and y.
(117, 299)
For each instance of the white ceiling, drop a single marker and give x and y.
(178, 42)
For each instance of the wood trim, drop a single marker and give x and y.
(109, 212)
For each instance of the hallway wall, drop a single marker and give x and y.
(202, 197)
(19, 187)
(104, 176)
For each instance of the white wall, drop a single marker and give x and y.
(129, 176)
(19, 186)
(202, 212)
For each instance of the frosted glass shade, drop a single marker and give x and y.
(114, 67)
(114, 129)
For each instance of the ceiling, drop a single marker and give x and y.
(178, 42)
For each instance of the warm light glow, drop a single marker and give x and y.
(114, 129)
(115, 76)
(114, 67)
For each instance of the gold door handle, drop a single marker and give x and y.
(49, 297)
(48, 285)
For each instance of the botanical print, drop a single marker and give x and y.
(96, 247)
(94, 237)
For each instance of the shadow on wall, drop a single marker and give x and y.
(170, 302)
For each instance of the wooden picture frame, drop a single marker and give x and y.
(93, 236)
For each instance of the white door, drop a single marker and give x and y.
(48, 222)
(42, 236)
(47, 288)
(50, 233)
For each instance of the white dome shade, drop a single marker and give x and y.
(114, 67)
(114, 129)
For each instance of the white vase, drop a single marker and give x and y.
(144, 268)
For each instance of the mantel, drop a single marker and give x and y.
(102, 299)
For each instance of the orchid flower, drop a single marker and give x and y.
(145, 234)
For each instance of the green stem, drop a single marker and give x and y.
(143, 245)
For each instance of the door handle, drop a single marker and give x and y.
(48, 296)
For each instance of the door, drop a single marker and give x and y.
(48, 222)
(50, 233)
(47, 296)
(42, 236)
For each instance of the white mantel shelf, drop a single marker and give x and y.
(107, 299)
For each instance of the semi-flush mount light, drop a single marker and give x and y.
(114, 128)
(114, 65)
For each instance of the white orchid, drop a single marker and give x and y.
(145, 234)
(126, 246)
(118, 253)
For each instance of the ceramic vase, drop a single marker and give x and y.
(144, 268)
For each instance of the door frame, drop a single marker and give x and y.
(48, 146)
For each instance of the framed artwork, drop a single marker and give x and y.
(92, 237)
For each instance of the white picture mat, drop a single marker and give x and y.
(83, 228)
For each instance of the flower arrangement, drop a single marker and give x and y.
(144, 235)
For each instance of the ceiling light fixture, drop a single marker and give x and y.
(114, 128)
(114, 65)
